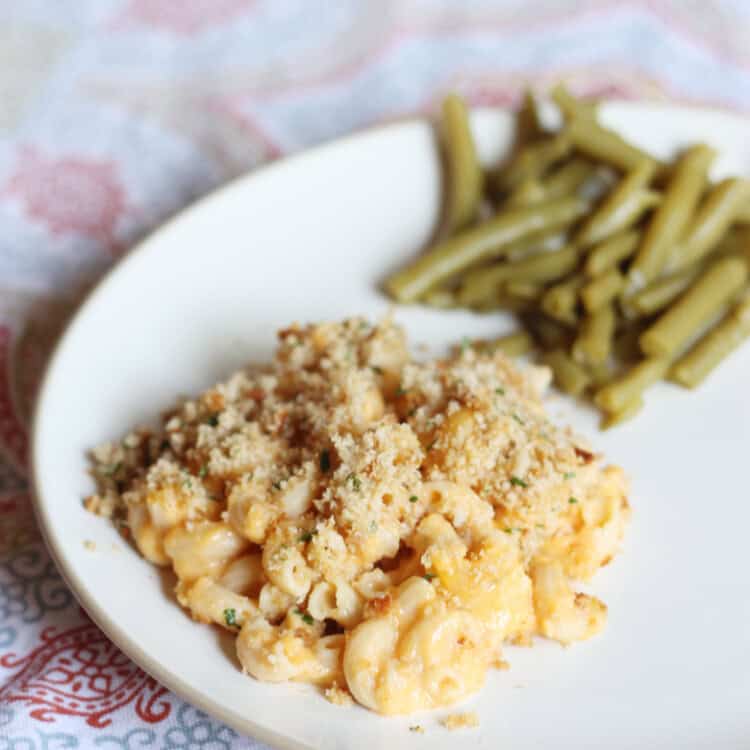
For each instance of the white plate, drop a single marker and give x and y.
(308, 239)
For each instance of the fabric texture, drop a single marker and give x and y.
(114, 114)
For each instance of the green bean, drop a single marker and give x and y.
(610, 253)
(711, 221)
(528, 120)
(591, 139)
(440, 298)
(693, 368)
(602, 290)
(659, 294)
(484, 283)
(560, 300)
(463, 173)
(612, 419)
(593, 344)
(622, 207)
(569, 376)
(569, 105)
(695, 308)
(539, 242)
(567, 178)
(629, 387)
(743, 214)
(523, 290)
(549, 333)
(531, 161)
(526, 193)
(514, 344)
(625, 346)
(471, 246)
(600, 374)
(673, 214)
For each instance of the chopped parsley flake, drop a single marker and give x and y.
(213, 420)
(429, 576)
(203, 471)
(306, 616)
(518, 482)
(377, 370)
(308, 535)
(187, 484)
(230, 618)
(518, 419)
(277, 485)
(356, 481)
(572, 500)
(431, 445)
(500, 391)
(413, 499)
(325, 461)
(508, 530)
(373, 527)
(569, 475)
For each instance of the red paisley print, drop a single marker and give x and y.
(70, 195)
(188, 17)
(13, 440)
(80, 673)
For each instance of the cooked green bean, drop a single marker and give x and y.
(569, 376)
(711, 221)
(672, 215)
(625, 346)
(463, 173)
(528, 120)
(602, 290)
(484, 283)
(526, 193)
(622, 207)
(612, 419)
(593, 344)
(569, 105)
(523, 290)
(695, 308)
(440, 298)
(743, 214)
(514, 344)
(611, 252)
(531, 161)
(488, 240)
(560, 300)
(549, 333)
(605, 145)
(659, 294)
(600, 374)
(539, 242)
(567, 178)
(629, 387)
(693, 368)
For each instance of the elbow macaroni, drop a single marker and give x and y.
(364, 521)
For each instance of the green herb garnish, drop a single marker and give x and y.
(377, 370)
(356, 481)
(518, 482)
(500, 391)
(572, 500)
(230, 618)
(413, 499)
(306, 616)
(518, 419)
(213, 419)
(203, 471)
(569, 475)
(429, 576)
(308, 535)
(325, 461)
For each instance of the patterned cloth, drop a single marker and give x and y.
(114, 114)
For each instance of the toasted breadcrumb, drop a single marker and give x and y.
(338, 696)
(466, 720)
